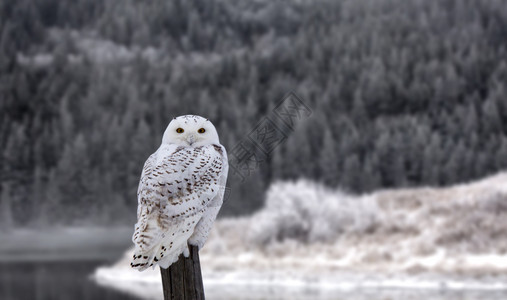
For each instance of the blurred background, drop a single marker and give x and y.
(404, 95)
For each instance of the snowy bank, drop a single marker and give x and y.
(311, 237)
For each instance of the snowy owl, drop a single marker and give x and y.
(180, 192)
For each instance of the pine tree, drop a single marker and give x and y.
(6, 213)
(38, 197)
(328, 160)
(352, 177)
(491, 120)
(501, 154)
(371, 177)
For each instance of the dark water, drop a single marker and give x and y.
(53, 281)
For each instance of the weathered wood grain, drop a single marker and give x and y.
(183, 279)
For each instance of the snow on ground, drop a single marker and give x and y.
(311, 238)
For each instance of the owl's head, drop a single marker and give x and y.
(190, 131)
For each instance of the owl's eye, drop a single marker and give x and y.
(179, 130)
(201, 130)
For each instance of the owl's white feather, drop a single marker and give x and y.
(180, 192)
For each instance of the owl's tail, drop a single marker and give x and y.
(140, 261)
(164, 255)
(173, 243)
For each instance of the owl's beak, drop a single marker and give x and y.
(191, 139)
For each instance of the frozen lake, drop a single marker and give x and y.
(60, 280)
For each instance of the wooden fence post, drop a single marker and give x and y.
(183, 279)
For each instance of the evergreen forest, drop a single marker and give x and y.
(403, 93)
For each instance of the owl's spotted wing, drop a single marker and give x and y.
(176, 187)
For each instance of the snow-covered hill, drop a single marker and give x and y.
(311, 237)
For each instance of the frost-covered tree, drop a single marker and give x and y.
(6, 211)
(328, 160)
